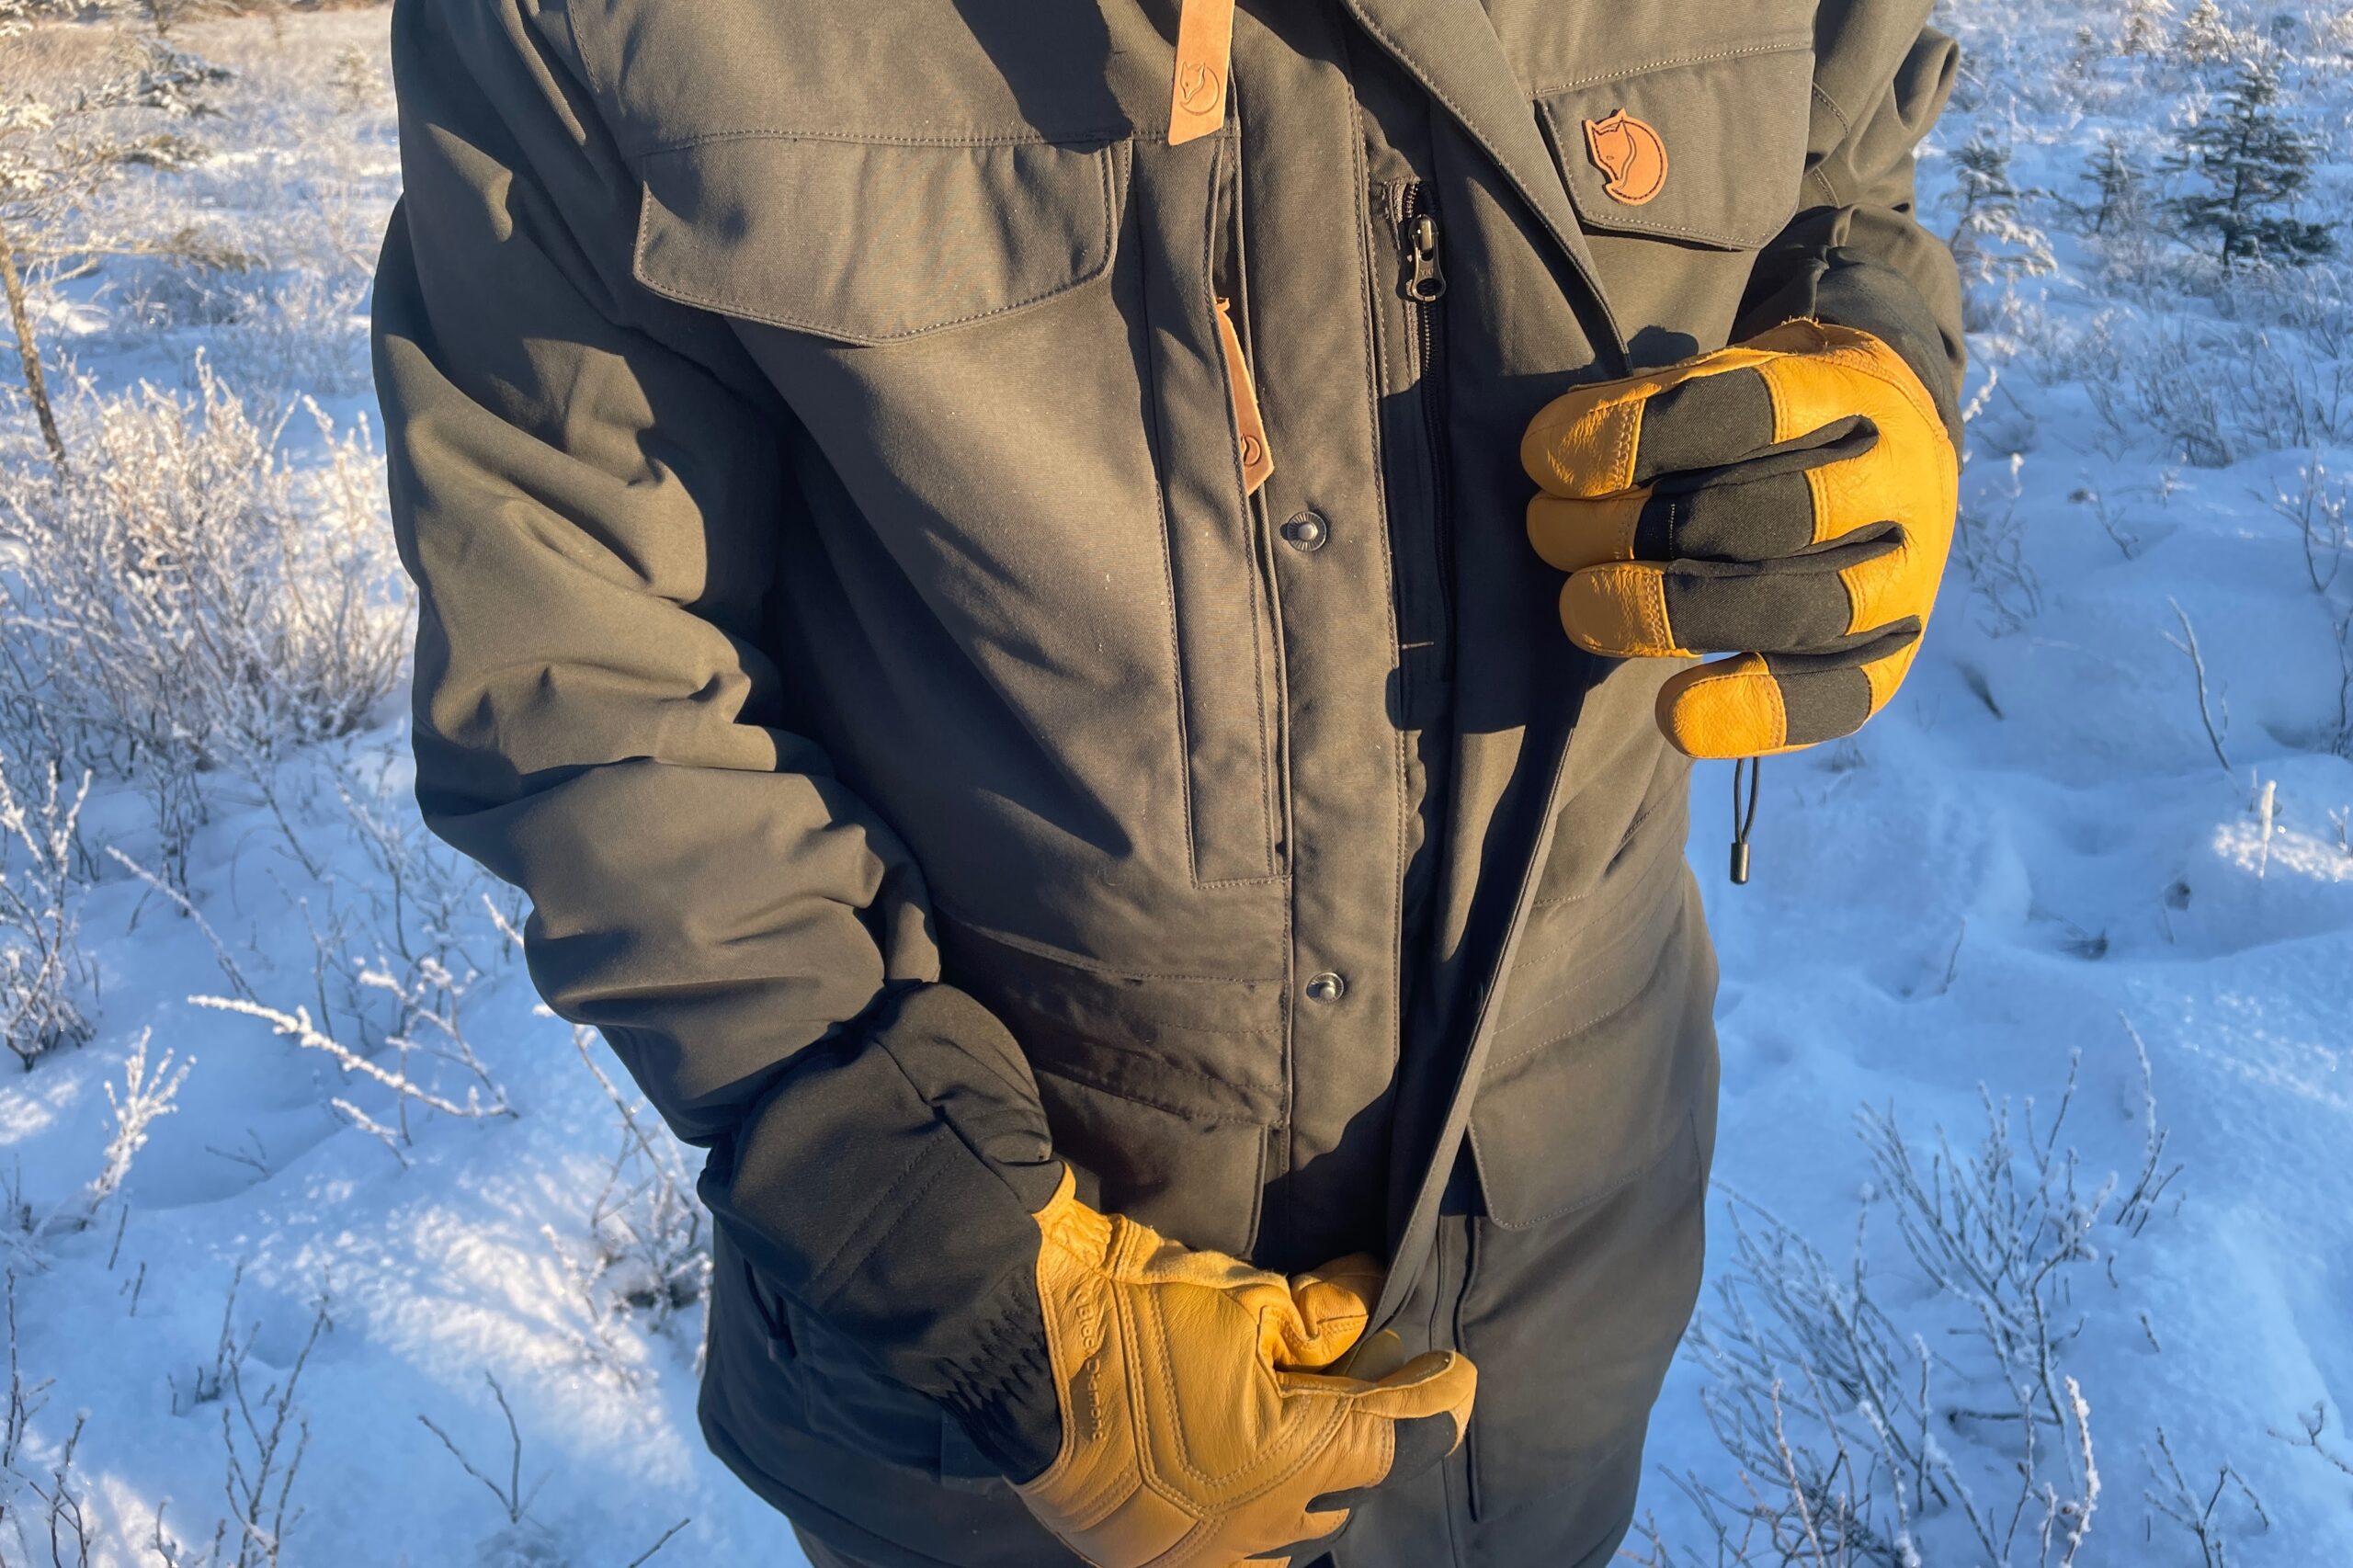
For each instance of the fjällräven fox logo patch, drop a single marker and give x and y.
(1632, 152)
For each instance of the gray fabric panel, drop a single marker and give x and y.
(1704, 424)
(1822, 704)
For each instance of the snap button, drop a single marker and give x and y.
(1326, 987)
(1306, 532)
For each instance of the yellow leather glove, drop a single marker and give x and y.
(1790, 500)
(1202, 1425)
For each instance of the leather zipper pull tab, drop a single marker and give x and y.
(1257, 462)
(1204, 61)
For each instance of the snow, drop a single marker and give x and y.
(2035, 855)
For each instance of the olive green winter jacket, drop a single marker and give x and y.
(854, 610)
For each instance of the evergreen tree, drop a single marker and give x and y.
(1992, 237)
(2255, 166)
(2145, 27)
(2206, 37)
(2121, 186)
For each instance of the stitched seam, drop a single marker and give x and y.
(1306, 1450)
(1368, 316)
(1150, 377)
(579, 18)
(818, 1298)
(686, 296)
(1641, 817)
(1575, 939)
(1726, 238)
(1262, 598)
(1087, 966)
(1195, 1114)
(1792, 44)
(880, 138)
(1827, 101)
(1854, 595)
(1241, 488)
(1223, 1081)
(1203, 1028)
(1862, 361)
(1649, 1158)
(1595, 1020)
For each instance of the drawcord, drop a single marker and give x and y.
(1743, 817)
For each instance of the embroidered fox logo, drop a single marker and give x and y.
(1632, 152)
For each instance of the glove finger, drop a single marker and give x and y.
(1612, 437)
(1373, 1359)
(1415, 1446)
(1805, 603)
(1405, 1422)
(1321, 1511)
(1762, 704)
(1332, 1305)
(1751, 510)
(1437, 1382)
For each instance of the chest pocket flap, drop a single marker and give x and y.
(1709, 151)
(872, 241)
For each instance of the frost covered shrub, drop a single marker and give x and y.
(2144, 26)
(2207, 36)
(46, 981)
(187, 597)
(1870, 1422)
(2214, 393)
(1994, 241)
(299, 332)
(62, 141)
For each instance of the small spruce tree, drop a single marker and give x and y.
(2121, 186)
(1993, 238)
(2255, 166)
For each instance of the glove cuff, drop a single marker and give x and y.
(1003, 1394)
(890, 1183)
(1851, 289)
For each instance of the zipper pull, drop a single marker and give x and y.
(1743, 819)
(1428, 280)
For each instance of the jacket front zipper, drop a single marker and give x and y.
(1422, 281)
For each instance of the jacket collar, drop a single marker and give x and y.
(1453, 50)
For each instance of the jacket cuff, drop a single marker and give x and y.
(888, 1185)
(1005, 1396)
(1851, 288)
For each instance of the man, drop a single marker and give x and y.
(977, 563)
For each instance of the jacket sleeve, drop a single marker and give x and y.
(587, 484)
(1855, 253)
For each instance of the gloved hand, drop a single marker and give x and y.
(1790, 500)
(1202, 1424)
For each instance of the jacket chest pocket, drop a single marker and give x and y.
(1681, 171)
(1008, 351)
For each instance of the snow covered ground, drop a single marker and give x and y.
(2039, 863)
